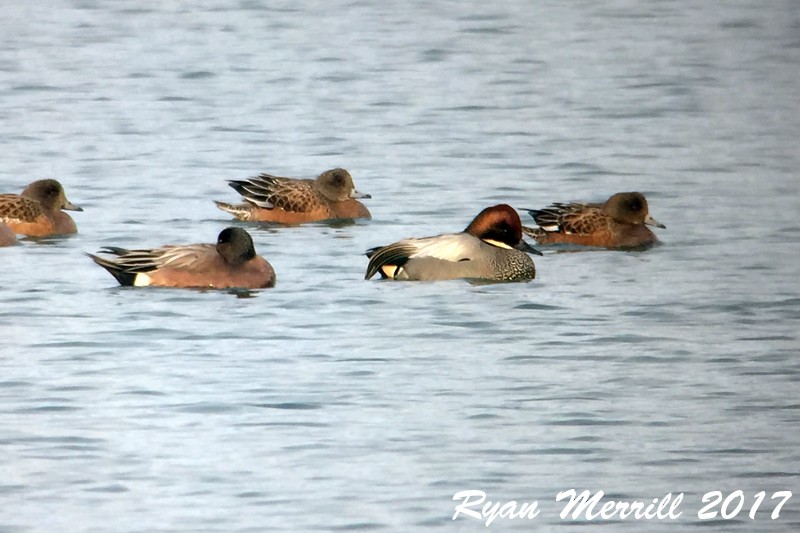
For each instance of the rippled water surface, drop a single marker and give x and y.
(331, 403)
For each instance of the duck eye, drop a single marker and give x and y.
(504, 231)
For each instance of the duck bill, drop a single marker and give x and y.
(523, 246)
(650, 221)
(69, 206)
(356, 194)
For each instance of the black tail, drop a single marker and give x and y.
(395, 255)
(124, 277)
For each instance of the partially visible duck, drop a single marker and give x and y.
(36, 212)
(490, 248)
(620, 222)
(268, 198)
(230, 263)
(7, 236)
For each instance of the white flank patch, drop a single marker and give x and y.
(390, 270)
(141, 280)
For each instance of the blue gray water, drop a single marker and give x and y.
(331, 403)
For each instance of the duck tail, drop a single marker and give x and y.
(123, 276)
(239, 211)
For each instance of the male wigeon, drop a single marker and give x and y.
(7, 236)
(490, 248)
(231, 263)
(37, 211)
(617, 223)
(270, 198)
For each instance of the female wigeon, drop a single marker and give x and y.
(618, 223)
(231, 263)
(490, 248)
(7, 236)
(293, 201)
(37, 211)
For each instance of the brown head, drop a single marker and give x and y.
(630, 208)
(50, 194)
(235, 246)
(337, 185)
(500, 226)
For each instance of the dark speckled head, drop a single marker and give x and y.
(337, 185)
(50, 194)
(235, 246)
(630, 208)
(500, 226)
